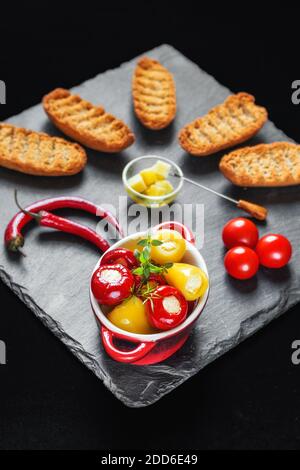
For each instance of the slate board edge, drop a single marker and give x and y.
(229, 345)
(76, 348)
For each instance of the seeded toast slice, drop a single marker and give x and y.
(228, 124)
(276, 164)
(154, 94)
(88, 124)
(36, 153)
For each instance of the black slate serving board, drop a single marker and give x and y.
(53, 280)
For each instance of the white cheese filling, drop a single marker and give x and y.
(111, 275)
(168, 246)
(171, 304)
(193, 283)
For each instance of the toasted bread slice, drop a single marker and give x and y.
(37, 153)
(154, 94)
(90, 125)
(276, 164)
(228, 124)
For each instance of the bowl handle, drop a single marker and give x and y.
(179, 227)
(124, 356)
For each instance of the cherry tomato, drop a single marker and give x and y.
(120, 256)
(112, 283)
(240, 232)
(274, 251)
(241, 262)
(166, 308)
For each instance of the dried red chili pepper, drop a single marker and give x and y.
(13, 237)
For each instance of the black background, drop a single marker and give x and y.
(250, 398)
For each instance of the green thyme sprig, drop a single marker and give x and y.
(144, 257)
(147, 293)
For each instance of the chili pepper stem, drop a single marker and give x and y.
(35, 216)
(19, 250)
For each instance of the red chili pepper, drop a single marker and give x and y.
(166, 308)
(112, 283)
(46, 219)
(120, 256)
(13, 237)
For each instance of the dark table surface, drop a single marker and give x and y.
(250, 397)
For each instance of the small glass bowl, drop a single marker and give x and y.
(135, 166)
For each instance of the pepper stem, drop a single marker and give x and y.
(21, 252)
(34, 215)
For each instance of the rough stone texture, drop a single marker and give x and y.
(53, 280)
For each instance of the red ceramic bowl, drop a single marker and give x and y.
(154, 348)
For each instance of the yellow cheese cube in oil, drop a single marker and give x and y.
(149, 176)
(162, 169)
(137, 183)
(160, 188)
